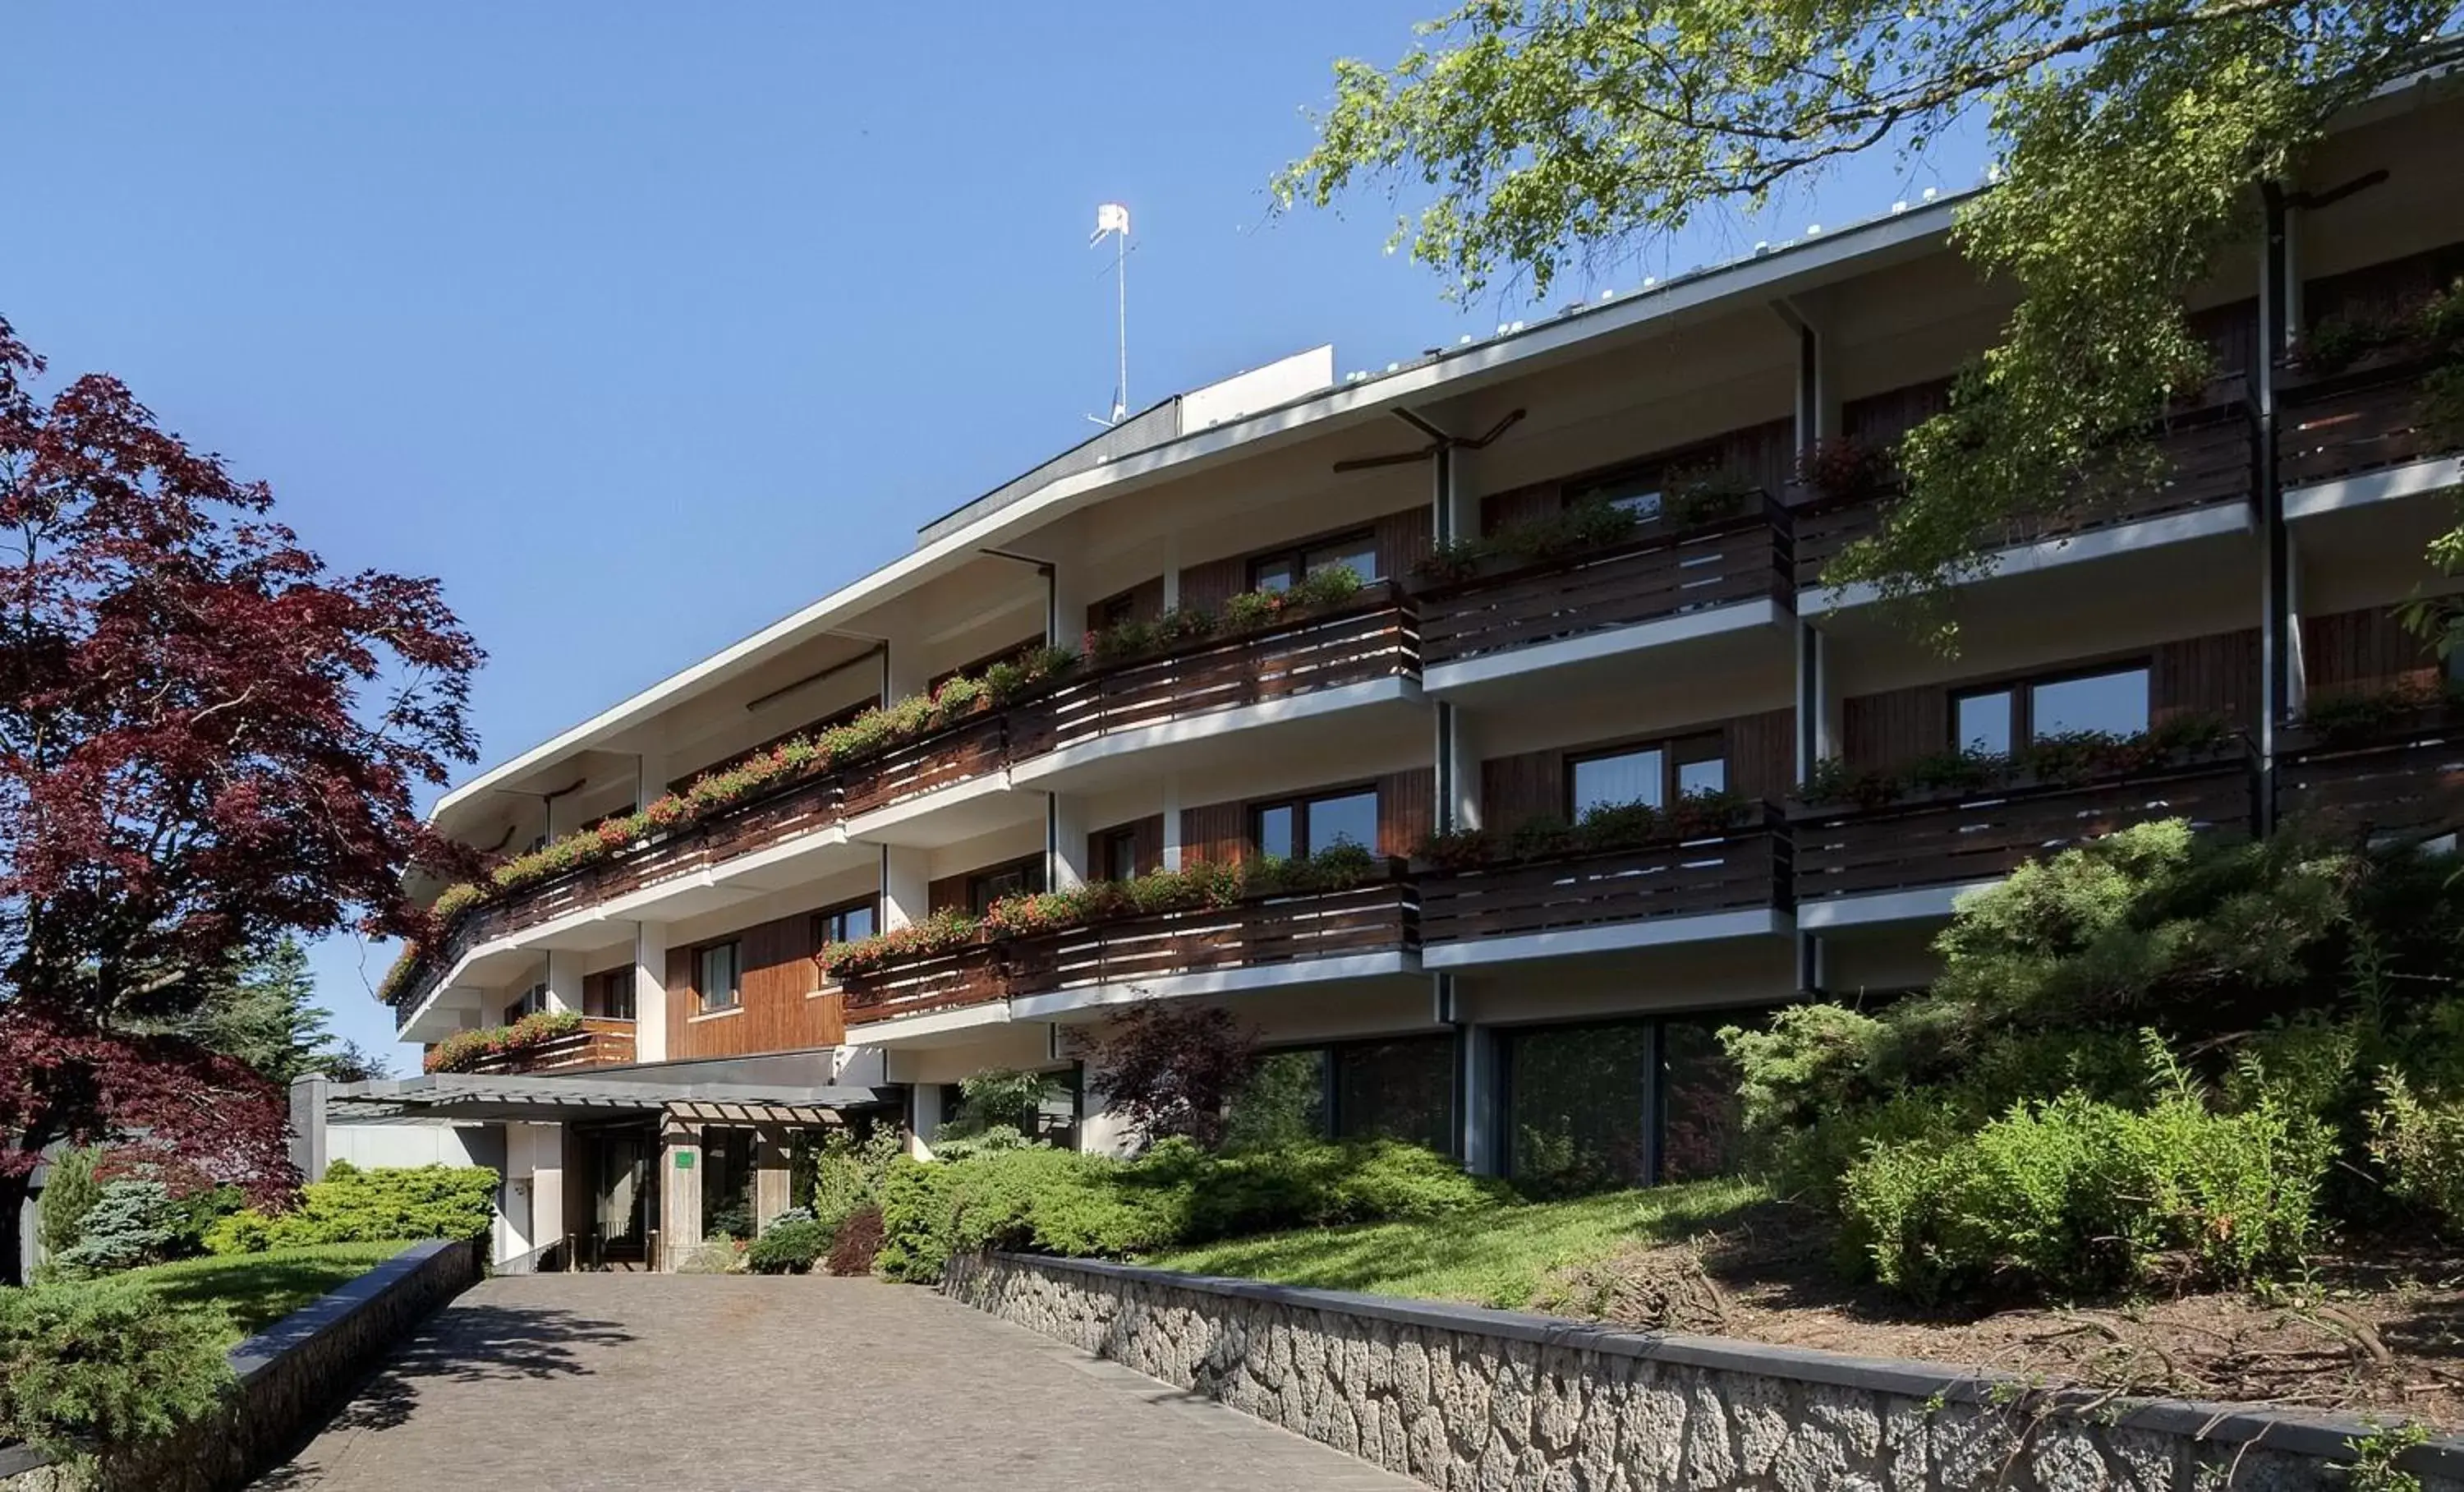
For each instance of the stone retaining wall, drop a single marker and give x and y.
(1466, 1399)
(291, 1376)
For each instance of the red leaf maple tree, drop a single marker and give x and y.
(207, 739)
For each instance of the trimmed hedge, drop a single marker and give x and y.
(355, 1206)
(88, 1365)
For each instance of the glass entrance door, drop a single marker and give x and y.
(627, 1194)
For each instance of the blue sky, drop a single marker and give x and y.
(643, 325)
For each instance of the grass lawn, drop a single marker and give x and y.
(256, 1290)
(1497, 1257)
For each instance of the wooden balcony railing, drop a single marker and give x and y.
(2403, 780)
(1638, 580)
(1372, 637)
(2208, 448)
(603, 1041)
(971, 749)
(1259, 931)
(2364, 419)
(1737, 871)
(1953, 838)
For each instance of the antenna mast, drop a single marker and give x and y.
(1112, 217)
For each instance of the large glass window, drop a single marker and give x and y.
(1702, 1126)
(716, 976)
(1285, 1101)
(1652, 774)
(1306, 826)
(1638, 494)
(1285, 568)
(1579, 1108)
(2112, 701)
(852, 922)
(1120, 853)
(1397, 1090)
(1020, 877)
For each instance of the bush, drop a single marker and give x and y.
(847, 1173)
(788, 1246)
(1314, 1185)
(353, 1206)
(135, 1222)
(2079, 1196)
(85, 1367)
(2421, 1146)
(858, 1244)
(69, 1194)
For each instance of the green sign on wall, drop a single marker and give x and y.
(683, 1160)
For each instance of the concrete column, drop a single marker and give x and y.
(1458, 768)
(1170, 568)
(903, 670)
(1817, 706)
(770, 1195)
(1068, 597)
(651, 775)
(1172, 821)
(1100, 1131)
(925, 1101)
(308, 1138)
(546, 1143)
(679, 1190)
(565, 976)
(650, 993)
(1065, 826)
(905, 885)
(1480, 1056)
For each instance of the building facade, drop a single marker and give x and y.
(1616, 765)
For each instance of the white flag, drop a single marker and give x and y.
(1112, 217)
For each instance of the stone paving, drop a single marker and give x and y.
(601, 1383)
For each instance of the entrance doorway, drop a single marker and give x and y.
(624, 1198)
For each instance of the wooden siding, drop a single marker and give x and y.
(1146, 603)
(1404, 540)
(2230, 333)
(1763, 454)
(2216, 675)
(1205, 587)
(2207, 675)
(1215, 832)
(1760, 750)
(2388, 289)
(1407, 806)
(1886, 417)
(778, 1011)
(947, 894)
(2365, 652)
(1147, 848)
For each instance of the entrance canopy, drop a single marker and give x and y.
(469, 1096)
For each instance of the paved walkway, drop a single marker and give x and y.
(597, 1383)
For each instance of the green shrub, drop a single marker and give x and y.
(1311, 1185)
(134, 1222)
(847, 1173)
(2420, 1145)
(88, 1365)
(69, 1194)
(2079, 1196)
(353, 1206)
(916, 1221)
(788, 1246)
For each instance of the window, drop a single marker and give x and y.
(1624, 1103)
(1113, 610)
(1402, 1089)
(726, 1182)
(1638, 494)
(2005, 716)
(1308, 826)
(1119, 860)
(1281, 571)
(1019, 877)
(610, 994)
(852, 922)
(532, 1001)
(1654, 775)
(716, 977)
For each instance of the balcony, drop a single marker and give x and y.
(1256, 942)
(2357, 433)
(1908, 858)
(601, 1041)
(1643, 591)
(2207, 445)
(1725, 885)
(2399, 778)
(1330, 673)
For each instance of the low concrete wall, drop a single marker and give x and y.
(291, 1376)
(1466, 1398)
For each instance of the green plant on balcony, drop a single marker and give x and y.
(2362, 719)
(1690, 498)
(467, 1051)
(2070, 758)
(1201, 884)
(1601, 829)
(1250, 611)
(1844, 469)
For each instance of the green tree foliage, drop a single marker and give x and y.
(133, 1222)
(85, 1367)
(379, 1206)
(1524, 135)
(266, 1016)
(1000, 1097)
(69, 1194)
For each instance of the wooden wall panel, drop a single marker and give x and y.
(1404, 540)
(1765, 454)
(2388, 289)
(1762, 754)
(1146, 603)
(947, 894)
(778, 1009)
(1215, 832)
(1204, 587)
(2365, 653)
(2207, 675)
(1894, 726)
(1407, 806)
(1501, 509)
(1516, 790)
(2232, 333)
(1147, 847)
(1895, 411)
